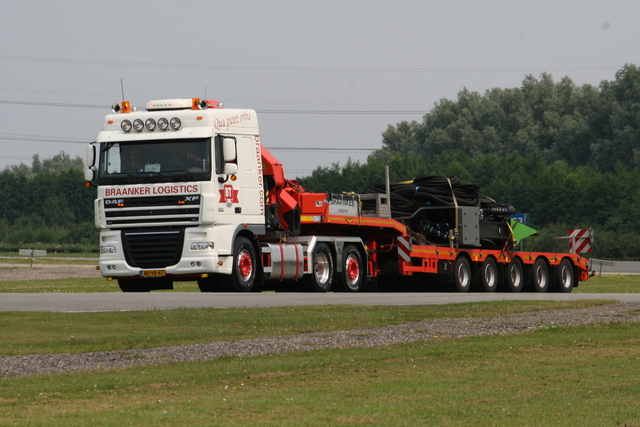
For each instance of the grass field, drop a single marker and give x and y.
(553, 377)
(43, 332)
(586, 376)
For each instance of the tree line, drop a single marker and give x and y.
(47, 206)
(580, 125)
(567, 155)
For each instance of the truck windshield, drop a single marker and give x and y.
(155, 161)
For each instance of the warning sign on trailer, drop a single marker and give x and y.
(581, 240)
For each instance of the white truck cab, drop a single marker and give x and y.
(176, 184)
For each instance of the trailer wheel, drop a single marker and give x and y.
(462, 274)
(245, 265)
(134, 285)
(564, 276)
(540, 276)
(352, 275)
(321, 277)
(489, 275)
(515, 275)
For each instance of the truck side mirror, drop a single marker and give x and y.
(90, 160)
(229, 150)
(229, 157)
(230, 169)
(89, 175)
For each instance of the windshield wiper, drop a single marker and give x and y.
(130, 179)
(156, 175)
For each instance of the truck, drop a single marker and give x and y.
(186, 191)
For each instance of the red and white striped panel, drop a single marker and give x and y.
(404, 248)
(580, 240)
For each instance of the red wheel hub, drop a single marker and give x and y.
(245, 265)
(353, 269)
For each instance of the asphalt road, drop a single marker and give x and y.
(94, 302)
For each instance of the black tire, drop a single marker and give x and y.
(565, 276)
(489, 275)
(462, 274)
(515, 276)
(321, 277)
(353, 272)
(245, 266)
(540, 276)
(134, 285)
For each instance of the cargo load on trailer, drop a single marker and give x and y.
(429, 204)
(186, 191)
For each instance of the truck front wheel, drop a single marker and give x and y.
(352, 275)
(245, 265)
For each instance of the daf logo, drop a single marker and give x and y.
(113, 201)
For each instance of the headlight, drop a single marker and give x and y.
(150, 124)
(201, 246)
(108, 250)
(175, 123)
(138, 125)
(163, 124)
(125, 125)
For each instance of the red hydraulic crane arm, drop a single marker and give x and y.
(279, 191)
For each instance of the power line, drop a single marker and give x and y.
(15, 157)
(37, 138)
(406, 70)
(340, 112)
(53, 104)
(34, 138)
(321, 149)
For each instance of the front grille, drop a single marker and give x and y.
(132, 211)
(153, 248)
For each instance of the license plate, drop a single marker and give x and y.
(153, 273)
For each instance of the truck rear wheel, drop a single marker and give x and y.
(352, 275)
(489, 275)
(540, 276)
(564, 276)
(515, 275)
(321, 277)
(243, 274)
(462, 275)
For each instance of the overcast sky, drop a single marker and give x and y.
(323, 74)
